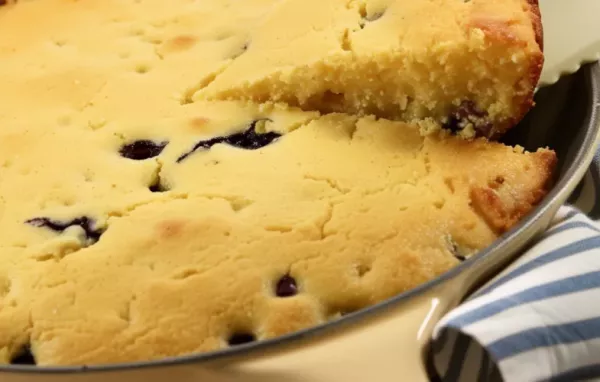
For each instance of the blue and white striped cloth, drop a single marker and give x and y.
(539, 320)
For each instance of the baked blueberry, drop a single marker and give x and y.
(455, 250)
(241, 338)
(88, 225)
(157, 187)
(140, 150)
(466, 114)
(23, 357)
(286, 287)
(249, 139)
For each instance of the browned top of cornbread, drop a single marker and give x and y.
(137, 225)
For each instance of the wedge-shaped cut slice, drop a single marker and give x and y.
(472, 65)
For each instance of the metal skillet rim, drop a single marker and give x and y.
(575, 170)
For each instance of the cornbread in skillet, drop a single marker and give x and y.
(136, 226)
(472, 65)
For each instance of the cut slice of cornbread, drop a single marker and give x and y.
(472, 65)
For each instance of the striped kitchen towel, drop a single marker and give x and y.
(539, 320)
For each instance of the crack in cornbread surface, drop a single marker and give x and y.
(115, 250)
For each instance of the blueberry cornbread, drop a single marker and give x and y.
(140, 221)
(470, 65)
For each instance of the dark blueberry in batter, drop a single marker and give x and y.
(456, 253)
(157, 187)
(3, 2)
(140, 150)
(241, 338)
(468, 113)
(286, 287)
(88, 225)
(24, 357)
(455, 250)
(247, 140)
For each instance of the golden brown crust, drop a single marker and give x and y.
(505, 32)
(528, 102)
(502, 210)
(536, 21)
(177, 44)
(537, 63)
